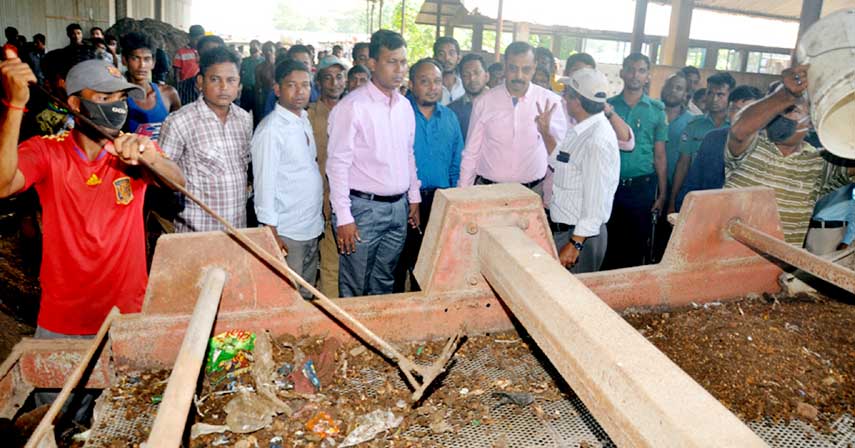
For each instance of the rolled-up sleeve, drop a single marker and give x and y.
(629, 145)
(342, 134)
(265, 164)
(171, 139)
(457, 151)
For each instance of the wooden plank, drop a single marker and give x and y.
(172, 414)
(635, 392)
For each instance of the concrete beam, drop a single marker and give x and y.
(639, 396)
(638, 26)
(675, 48)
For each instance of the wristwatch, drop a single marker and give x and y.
(579, 246)
(609, 115)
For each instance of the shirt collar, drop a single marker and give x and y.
(289, 116)
(531, 86)
(437, 111)
(588, 122)
(205, 110)
(377, 95)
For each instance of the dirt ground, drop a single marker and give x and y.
(778, 358)
(19, 294)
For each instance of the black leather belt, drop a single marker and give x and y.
(376, 197)
(827, 224)
(486, 181)
(561, 227)
(630, 181)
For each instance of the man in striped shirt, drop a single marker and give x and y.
(587, 169)
(779, 158)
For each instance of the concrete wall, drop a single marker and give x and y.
(50, 17)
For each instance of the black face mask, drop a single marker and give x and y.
(780, 129)
(108, 115)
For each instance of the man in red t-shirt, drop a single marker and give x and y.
(186, 60)
(91, 192)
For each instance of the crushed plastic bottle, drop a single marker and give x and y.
(248, 412)
(369, 425)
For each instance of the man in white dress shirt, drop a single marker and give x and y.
(288, 186)
(587, 169)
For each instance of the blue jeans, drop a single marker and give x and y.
(382, 228)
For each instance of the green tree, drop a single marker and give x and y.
(419, 38)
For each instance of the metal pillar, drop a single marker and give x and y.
(638, 26)
(811, 12)
(477, 36)
(500, 23)
(438, 17)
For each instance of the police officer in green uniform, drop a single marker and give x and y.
(643, 172)
(719, 86)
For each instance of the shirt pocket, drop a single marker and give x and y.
(210, 160)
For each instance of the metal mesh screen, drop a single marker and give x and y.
(570, 424)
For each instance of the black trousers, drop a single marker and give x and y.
(630, 225)
(412, 246)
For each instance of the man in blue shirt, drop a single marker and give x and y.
(438, 146)
(707, 169)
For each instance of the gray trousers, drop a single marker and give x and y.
(591, 258)
(82, 402)
(303, 258)
(382, 228)
(823, 241)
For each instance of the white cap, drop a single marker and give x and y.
(588, 82)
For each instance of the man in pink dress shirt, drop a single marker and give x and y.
(503, 144)
(372, 172)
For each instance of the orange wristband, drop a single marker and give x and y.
(14, 107)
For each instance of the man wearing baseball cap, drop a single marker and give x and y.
(587, 169)
(91, 191)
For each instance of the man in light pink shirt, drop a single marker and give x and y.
(503, 144)
(372, 172)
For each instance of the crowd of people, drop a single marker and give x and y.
(341, 157)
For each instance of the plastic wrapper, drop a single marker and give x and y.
(264, 374)
(248, 412)
(312, 375)
(369, 425)
(225, 351)
(322, 425)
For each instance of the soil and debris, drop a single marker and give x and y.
(361, 399)
(777, 358)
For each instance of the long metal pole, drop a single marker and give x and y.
(812, 264)
(499, 26)
(438, 17)
(380, 17)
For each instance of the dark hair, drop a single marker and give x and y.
(517, 48)
(268, 44)
(39, 38)
(545, 69)
(576, 58)
(11, 33)
(541, 52)
(443, 41)
(722, 79)
(469, 58)
(215, 56)
(387, 39)
(196, 30)
(357, 48)
(743, 92)
(298, 49)
(699, 95)
(95, 41)
(690, 70)
(337, 47)
(415, 67)
(255, 41)
(57, 63)
(71, 27)
(288, 66)
(635, 57)
(495, 67)
(96, 28)
(356, 69)
(135, 40)
(209, 39)
(591, 107)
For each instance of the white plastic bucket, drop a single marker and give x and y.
(829, 47)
